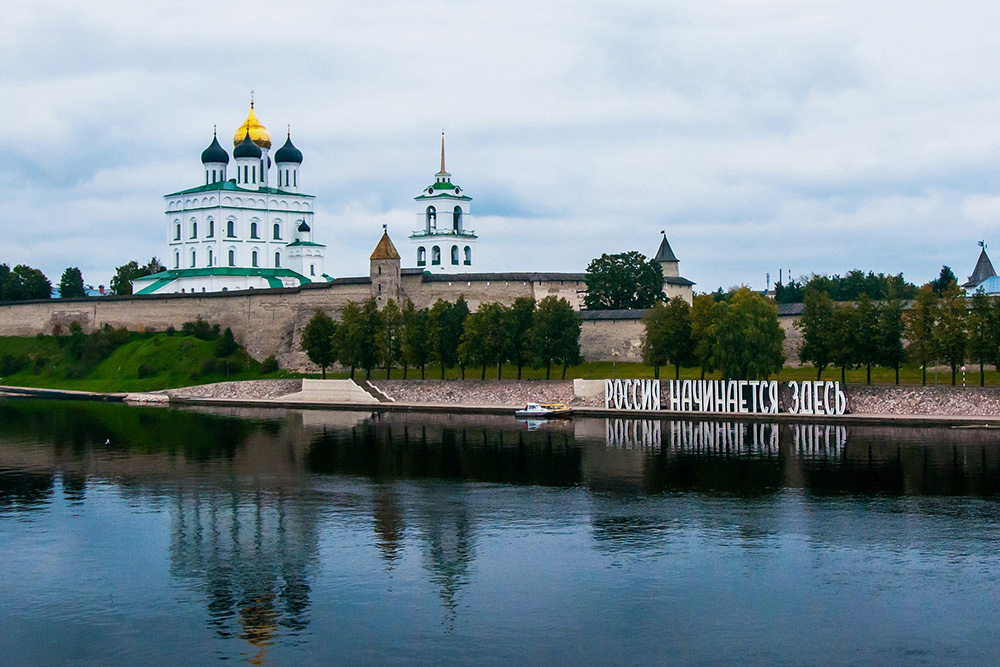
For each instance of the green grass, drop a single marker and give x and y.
(175, 361)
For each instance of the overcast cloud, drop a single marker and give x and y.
(761, 135)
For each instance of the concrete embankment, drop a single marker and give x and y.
(906, 404)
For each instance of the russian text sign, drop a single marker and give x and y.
(725, 396)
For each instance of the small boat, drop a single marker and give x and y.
(543, 411)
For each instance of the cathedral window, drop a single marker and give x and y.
(209, 257)
(435, 255)
(253, 174)
(211, 228)
(230, 228)
(279, 178)
(177, 260)
(232, 258)
(194, 230)
(277, 232)
(277, 260)
(458, 218)
(253, 259)
(468, 255)
(295, 178)
(421, 256)
(312, 269)
(177, 232)
(253, 230)
(454, 255)
(194, 257)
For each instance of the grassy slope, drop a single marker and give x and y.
(177, 360)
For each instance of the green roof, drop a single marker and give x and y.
(272, 276)
(444, 195)
(300, 243)
(229, 185)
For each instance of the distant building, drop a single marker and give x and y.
(673, 283)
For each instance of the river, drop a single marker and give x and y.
(183, 536)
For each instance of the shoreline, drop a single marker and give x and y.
(861, 419)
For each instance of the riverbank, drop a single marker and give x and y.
(868, 405)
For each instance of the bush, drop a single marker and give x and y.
(226, 345)
(201, 329)
(269, 366)
(9, 364)
(39, 364)
(171, 330)
(210, 366)
(145, 371)
(76, 372)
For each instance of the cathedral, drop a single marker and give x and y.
(238, 231)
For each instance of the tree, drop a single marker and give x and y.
(121, 283)
(946, 278)
(4, 277)
(555, 334)
(951, 334)
(866, 335)
(389, 336)
(890, 333)
(456, 325)
(749, 339)
(668, 335)
(520, 317)
(25, 283)
(349, 337)
(226, 345)
(625, 280)
(71, 284)
(982, 339)
(318, 340)
(844, 333)
(370, 324)
(414, 338)
(484, 337)
(921, 321)
(703, 318)
(819, 330)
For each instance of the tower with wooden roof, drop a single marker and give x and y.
(385, 271)
(673, 283)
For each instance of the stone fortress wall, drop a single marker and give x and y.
(270, 322)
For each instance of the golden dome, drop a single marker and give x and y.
(258, 133)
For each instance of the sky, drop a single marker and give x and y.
(762, 135)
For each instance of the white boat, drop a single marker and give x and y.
(543, 411)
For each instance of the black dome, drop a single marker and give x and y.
(247, 148)
(288, 153)
(214, 153)
(303, 227)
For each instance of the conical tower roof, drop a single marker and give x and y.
(665, 253)
(983, 270)
(385, 249)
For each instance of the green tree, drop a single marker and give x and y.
(866, 335)
(555, 335)
(370, 324)
(441, 344)
(921, 321)
(456, 325)
(951, 336)
(4, 277)
(844, 332)
(71, 284)
(318, 340)
(819, 331)
(625, 280)
(484, 337)
(226, 345)
(25, 283)
(414, 338)
(349, 337)
(891, 352)
(389, 336)
(668, 335)
(982, 336)
(121, 283)
(946, 278)
(749, 338)
(703, 319)
(519, 320)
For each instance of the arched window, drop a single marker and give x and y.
(277, 232)
(210, 257)
(231, 228)
(454, 255)
(279, 178)
(468, 255)
(312, 269)
(253, 230)
(435, 255)
(431, 218)
(458, 218)
(177, 260)
(194, 258)
(253, 174)
(232, 258)
(295, 178)
(253, 258)
(177, 232)
(277, 260)
(421, 256)
(211, 228)
(194, 230)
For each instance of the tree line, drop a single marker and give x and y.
(941, 326)
(448, 334)
(740, 336)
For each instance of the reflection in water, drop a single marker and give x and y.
(248, 498)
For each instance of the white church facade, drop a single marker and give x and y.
(236, 231)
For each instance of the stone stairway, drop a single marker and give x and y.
(331, 391)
